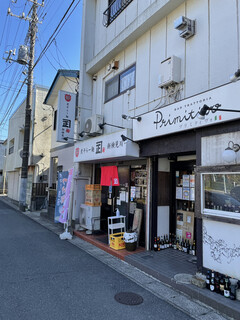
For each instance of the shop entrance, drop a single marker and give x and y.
(182, 221)
(174, 224)
(127, 197)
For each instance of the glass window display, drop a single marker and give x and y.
(221, 194)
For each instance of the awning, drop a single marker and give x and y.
(109, 176)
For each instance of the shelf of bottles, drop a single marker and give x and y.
(222, 284)
(175, 243)
(185, 206)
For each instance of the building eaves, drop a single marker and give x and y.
(60, 73)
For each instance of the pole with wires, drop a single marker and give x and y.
(25, 154)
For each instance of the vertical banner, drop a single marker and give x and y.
(65, 115)
(61, 190)
(64, 212)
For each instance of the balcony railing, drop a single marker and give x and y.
(115, 8)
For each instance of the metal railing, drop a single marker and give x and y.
(115, 8)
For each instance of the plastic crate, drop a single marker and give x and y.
(116, 241)
(93, 187)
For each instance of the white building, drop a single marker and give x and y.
(39, 150)
(61, 150)
(163, 61)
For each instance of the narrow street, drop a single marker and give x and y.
(43, 277)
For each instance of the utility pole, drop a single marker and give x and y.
(33, 20)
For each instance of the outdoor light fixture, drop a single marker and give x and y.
(125, 117)
(82, 134)
(203, 111)
(236, 76)
(68, 138)
(101, 125)
(124, 138)
(229, 154)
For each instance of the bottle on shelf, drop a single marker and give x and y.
(217, 283)
(208, 278)
(222, 283)
(170, 240)
(188, 247)
(177, 243)
(174, 243)
(158, 243)
(226, 287)
(164, 242)
(167, 242)
(194, 248)
(212, 281)
(155, 246)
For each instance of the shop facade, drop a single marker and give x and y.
(124, 188)
(194, 190)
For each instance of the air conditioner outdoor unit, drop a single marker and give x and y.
(92, 125)
(89, 217)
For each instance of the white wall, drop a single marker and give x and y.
(221, 247)
(207, 59)
(214, 146)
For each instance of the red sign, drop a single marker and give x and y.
(188, 235)
(67, 97)
(77, 152)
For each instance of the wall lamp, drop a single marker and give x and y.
(101, 125)
(203, 111)
(229, 154)
(236, 76)
(125, 117)
(124, 138)
(68, 138)
(82, 134)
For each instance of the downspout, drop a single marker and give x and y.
(148, 208)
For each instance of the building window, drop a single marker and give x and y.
(221, 194)
(115, 7)
(11, 146)
(120, 83)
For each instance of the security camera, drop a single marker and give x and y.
(94, 77)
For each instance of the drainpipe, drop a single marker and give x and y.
(148, 207)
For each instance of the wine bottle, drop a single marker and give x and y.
(155, 246)
(167, 242)
(158, 243)
(212, 281)
(170, 240)
(217, 283)
(208, 277)
(226, 288)
(188, 247)
(194, 248)
(222, 285)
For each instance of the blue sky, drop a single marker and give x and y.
(63, 53)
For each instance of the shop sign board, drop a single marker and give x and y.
(65, 115)
(183, 115)
(221, 247)
(107, 146)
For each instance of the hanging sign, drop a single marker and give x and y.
(65, 115)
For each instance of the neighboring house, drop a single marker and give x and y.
(61, 153)
(158, 63)
(39, 150)
(2, 165)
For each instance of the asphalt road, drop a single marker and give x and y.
(43, 277)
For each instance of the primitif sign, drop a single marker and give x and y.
(183, 115)
(65, 115)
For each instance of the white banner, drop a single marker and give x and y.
(183, 115)
(107, 146)
(65, 115)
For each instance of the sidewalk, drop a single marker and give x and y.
(159, 265)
